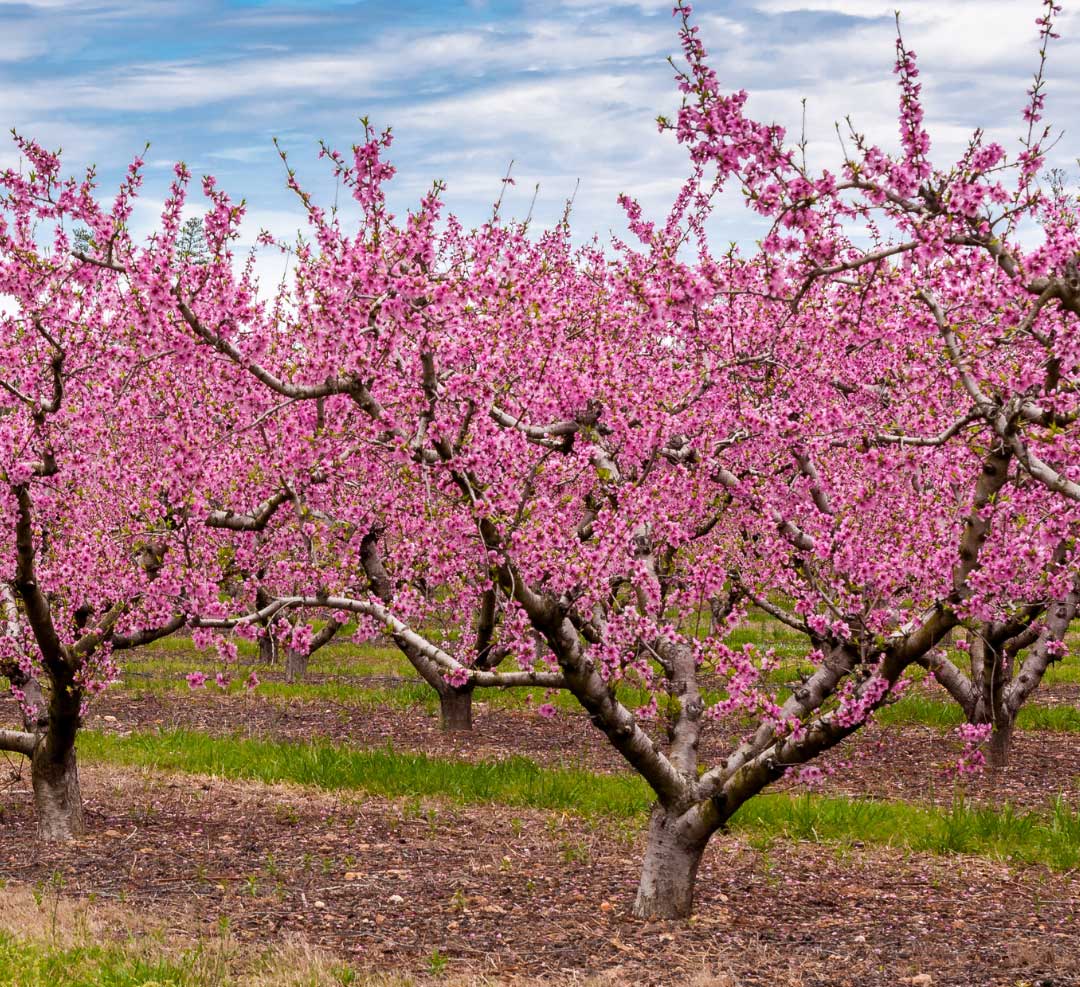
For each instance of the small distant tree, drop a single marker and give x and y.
(191, 243)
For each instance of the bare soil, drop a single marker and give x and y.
(390, 885)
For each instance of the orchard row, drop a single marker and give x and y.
(537, 464)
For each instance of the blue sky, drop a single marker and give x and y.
(569, 89)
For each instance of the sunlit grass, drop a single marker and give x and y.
(916, 709)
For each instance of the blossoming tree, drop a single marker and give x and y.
(107, 539)
(980, 258)
(621, 445)
(617, 450)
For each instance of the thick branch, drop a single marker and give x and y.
(147, 635)
(1044, 652)
(339, 385)
(38, 611)
(19, 742)
(257, 520)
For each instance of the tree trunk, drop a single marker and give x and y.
(669, 871)
(267, 649)
(296, 665)
(57, 798)
(1001, 744)
(455, 708)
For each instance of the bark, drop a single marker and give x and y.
(1001, 744)
(596, 697)
(685, 731)
(455, 705)
(1043, 651)
(455, 708)
(296, 665)
(34, 706)
(54, 771)
(18, 742)
(669, 871)
(268, 651)
(54, 775)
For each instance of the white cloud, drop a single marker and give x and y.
(568, 88)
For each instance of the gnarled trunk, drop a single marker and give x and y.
(1002, 721)
(455, 708)
(296, 665)
(54, 771)
(57, 797)
(669, 871)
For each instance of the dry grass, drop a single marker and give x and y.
(78, 941)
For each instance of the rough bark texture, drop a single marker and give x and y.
(57, 798)
(455, 708)
(35, 705)
(669, 870)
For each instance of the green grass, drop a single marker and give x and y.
(1051, 839)
(177, 656)
(514, 781)
(1048, 838)
(162, 668)
(79, 957)
(403, 696)
(922, 710)
(1064, 673)
(914, 709)
(24, 963)
(168, 675)
(1062, 718)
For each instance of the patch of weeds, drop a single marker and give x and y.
(286, 815)
(575, 852)
(437, 963)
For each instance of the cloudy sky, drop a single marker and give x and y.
(568, 89)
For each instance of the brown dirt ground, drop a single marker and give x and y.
(547, 895)
(512, 892)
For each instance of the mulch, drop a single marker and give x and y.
(505, 892)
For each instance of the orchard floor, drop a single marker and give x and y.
(911, 762)
(442, 892)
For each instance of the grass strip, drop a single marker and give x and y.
(919, 710)
(24, 963)
(912, 710)
(382, 771)
(1050, 838)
